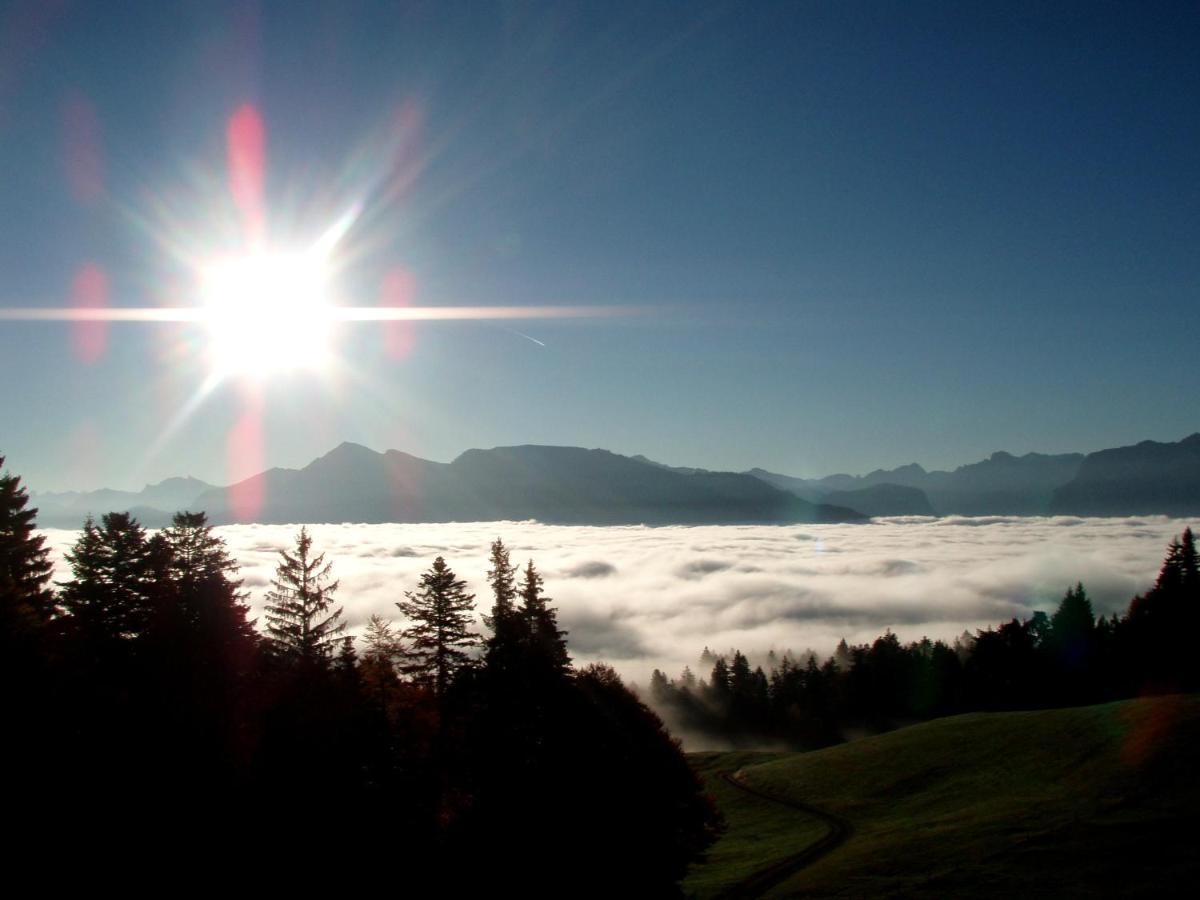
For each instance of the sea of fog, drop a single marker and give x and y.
(646, 597)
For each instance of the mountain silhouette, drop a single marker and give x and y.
(153, 505)
(571, 485)
(1144, 479)
(1002, 484)
(561, 485)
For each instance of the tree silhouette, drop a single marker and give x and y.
(440, 611)
(300, 627)
(32, 749)
(208, 599)
(548, 641)
(26, 601)
(510, 631)
(109, 598)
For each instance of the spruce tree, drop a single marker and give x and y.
(109, 600)
(510, 632)
(26, 601)
(201, 575)
(548, 642)
(440, 612)
(301, 629)
(381, 661)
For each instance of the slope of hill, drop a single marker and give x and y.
(1145, 479)
(1066, 801)
(563, 485)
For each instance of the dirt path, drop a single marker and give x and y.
(765, 879)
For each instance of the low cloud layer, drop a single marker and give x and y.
(641, 597)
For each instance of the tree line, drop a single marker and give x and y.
(140, 688)
(1067, 658)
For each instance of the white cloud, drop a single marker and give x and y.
(642, 597)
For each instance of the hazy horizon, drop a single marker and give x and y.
(687, 463)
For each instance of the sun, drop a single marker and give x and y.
(267, 313)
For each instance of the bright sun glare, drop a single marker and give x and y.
(267, 313)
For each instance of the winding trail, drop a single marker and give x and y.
(765, 879)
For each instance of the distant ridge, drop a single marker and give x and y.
(1002, 484)
(1144, 479)
(572, 485)
(561, 485)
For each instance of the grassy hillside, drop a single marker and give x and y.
(758, 832)
(1074, 801)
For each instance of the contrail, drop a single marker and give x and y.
(524, 335)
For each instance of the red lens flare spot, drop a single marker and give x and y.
(89, 290)
(82, 155)
(405, 142)
(246, 142)
(244, 457)
(1150, 727)
(399, 290)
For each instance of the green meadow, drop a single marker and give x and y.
(1099, 799)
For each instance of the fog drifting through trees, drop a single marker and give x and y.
(641, 598)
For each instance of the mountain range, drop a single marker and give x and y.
(571, 485)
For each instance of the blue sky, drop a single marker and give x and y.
(856, 234)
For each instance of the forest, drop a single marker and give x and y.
(149, 715)
(1068, 658)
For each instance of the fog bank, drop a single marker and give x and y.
(642, 597)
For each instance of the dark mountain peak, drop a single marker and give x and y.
(1001, 456)
(1150, 477)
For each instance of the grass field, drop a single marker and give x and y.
(1101, 799)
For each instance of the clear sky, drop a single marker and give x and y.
(839, 235)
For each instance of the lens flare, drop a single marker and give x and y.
(267, 313)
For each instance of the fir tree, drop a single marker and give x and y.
(26, 601)
(382, 659)
(510, 631)
(548, 642)
(300, 626)
(207, 601)
(109, 599)
(440, 611)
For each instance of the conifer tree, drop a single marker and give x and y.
(109, 599)
(301, 629)
(207, 598)
(383, 645)
(510, 632)
(382, 660)
(26, 601)
(440, 612)
(548, 641)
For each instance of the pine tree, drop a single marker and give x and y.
(300, 627)
(206, 596)
(109, 599)
(384, 646)
(548, 642)
(26, 601)
(1074, 619)
(440, 611)
(382, 660)
(510, 632)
